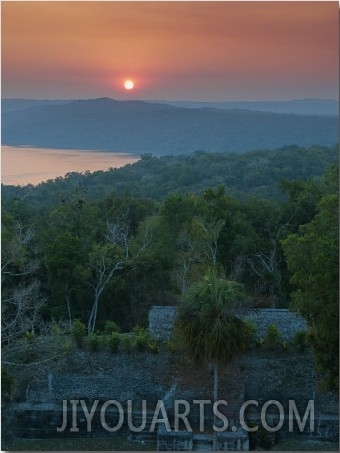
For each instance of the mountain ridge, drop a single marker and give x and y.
(308, 106)
(141, 127)
(329, 107)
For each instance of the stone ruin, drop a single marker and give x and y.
(161, 321)
(288, 323)
(193, 440)
(39, 420)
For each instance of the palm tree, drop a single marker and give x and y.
(207, 322)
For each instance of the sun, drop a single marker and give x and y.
(128, 84)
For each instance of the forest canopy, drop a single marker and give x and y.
(252, 174)
(107, 246)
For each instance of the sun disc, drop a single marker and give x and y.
(128, 84)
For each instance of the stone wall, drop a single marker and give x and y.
(41, 421)
(287, 322)
(161, 321)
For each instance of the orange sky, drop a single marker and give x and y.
(172, 50)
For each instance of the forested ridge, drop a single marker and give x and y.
(252, 174)
(106, 246)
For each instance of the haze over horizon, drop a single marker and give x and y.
(167, 100)
(191, 51)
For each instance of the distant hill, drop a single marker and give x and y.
(297, 106)
(145, 127)
(8, 105)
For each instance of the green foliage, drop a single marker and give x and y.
(259, 342)
(78, 332)
(285, 345)
(313, 260)
(300, 340)
(142, 340)
(67, 347)
(251, 330)
(111, 327)
(140, 331)
(209, 214)
(29, 335)
(302, 199)
(250, 174)
(173, 346)
(65, 259)
(127, 342)
(272, 335)
(94, 341)
(21, 296)
(206, 323)
(7, 383)
(114, 342)
(153, 346)
(55, 330)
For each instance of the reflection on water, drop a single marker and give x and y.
(27, 165)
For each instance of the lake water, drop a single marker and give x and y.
(27, 165)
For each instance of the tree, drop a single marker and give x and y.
(302, 199)
(105, 261)
(197, 248)
(21, 296)
(236, 235)
(265, 260)
(208, 322)
(65, 264)
(266, 263)
(313, 260)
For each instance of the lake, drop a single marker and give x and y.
(28, 165)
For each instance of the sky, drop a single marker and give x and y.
(203, 51)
